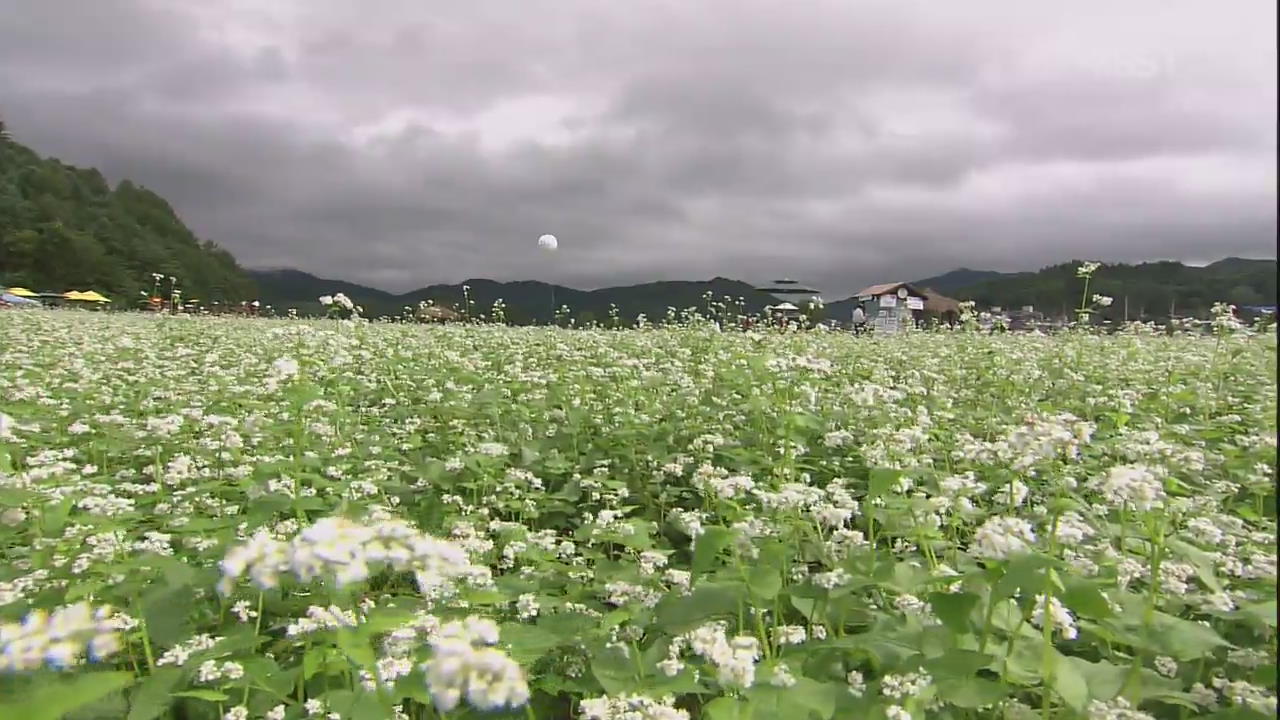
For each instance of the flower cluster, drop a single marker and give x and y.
(59, 640)
(734, 658)
(348, 552)
(465, 665)
(631, 707)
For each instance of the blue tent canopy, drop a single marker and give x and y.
(16, 300)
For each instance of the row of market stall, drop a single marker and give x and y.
(24, 297)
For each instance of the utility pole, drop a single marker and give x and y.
(1126, 309)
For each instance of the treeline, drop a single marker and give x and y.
(1152, 291)
(64, 228)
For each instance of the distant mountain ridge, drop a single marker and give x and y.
(525, 300)
(1152, 289)
(958, 279)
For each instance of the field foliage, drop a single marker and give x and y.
(218, 518)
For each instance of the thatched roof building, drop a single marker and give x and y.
(935, 303)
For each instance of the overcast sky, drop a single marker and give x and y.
(400, 143)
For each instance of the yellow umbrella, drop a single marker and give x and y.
(93, 296)
(86, 296)
(22, 292)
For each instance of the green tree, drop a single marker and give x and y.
(64, 228)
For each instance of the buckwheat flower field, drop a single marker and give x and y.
(222, 518)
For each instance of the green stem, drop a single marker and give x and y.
(146, 641)
(1008, 649)
(986, 619)
(765, 641)
(1046, 629)
(1149, 612)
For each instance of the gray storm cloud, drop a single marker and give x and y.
(401, 143)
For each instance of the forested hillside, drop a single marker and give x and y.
(64, 228)
(1152, 289)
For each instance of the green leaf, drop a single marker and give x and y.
(679, 613)
(53, 517)
(55, 698)
(1264, 676)
(1238, 713)
(208, 695)
(1069, 683)
(1103, 678)
(889, 649)
(1024, 572)
(314, 660)
(177, 574)
(366, 707)
(1173, 697)
(566, 623)
(282, 682)
(765, 581)
(1263, 612)
(357, 649)
(528, 642)
(685, 682)
(384, 620)
(820, 698)
(954, 609)
(806, 606)
(768, 702)
(151, 699)
(615, 672)
(957, 663)
(166, 613)
(906, 577)
(1024, 664)
(1200, 560)
(339, 701)
(1182, 639)
(1085, 598)
(112, 707)
(971, 692)
(708, 546)
(881, 481)
(527, 455)
(726, 708)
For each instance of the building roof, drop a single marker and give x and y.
(936, 302)
(885, 288)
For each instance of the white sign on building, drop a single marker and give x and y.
(887, 324)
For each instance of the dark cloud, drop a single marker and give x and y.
(403, 143)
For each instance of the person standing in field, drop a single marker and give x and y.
(859, 320)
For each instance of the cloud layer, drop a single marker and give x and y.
(404, 142)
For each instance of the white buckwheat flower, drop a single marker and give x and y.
(463, 665)
(1001, 537)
